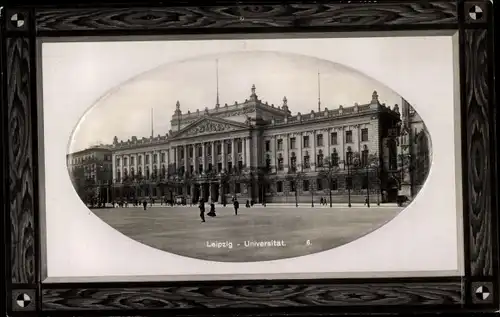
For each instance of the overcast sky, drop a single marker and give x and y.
(125, 110)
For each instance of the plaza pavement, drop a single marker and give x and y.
(293, 231)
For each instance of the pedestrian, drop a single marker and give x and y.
(366, 201)
(236, 205)
(202, 210)
(145, 204)
(321, 200)
(247, 205)
(211, 213)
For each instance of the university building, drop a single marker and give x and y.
(90, 171)
(259, 151)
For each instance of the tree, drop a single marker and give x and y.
(329, 171)
(296, 178)
(264, 182)
(225, 179)
(237, 177)
(188, 180)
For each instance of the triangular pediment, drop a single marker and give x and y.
(209, 125)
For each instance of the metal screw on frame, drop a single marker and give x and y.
(238, 4)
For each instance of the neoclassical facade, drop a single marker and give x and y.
(255, 150)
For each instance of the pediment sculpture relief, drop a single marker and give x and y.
(208, 127)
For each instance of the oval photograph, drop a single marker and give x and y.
(249, 156)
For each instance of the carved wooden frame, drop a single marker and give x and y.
(22, 24)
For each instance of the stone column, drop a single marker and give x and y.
(186, 165)
(299, 152)
(233, 153)
(214, 158)
(328, 143)
(136, 158)
(342, 147)
(113, 158)
(313, 150)
(274, 154)
(224, 164)
(244, 154)
(151, 156)
(195, 157)
(286, 152)
(204, 156)
(247, 149)
(219, 188)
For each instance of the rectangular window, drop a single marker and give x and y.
(348, 182)
(319, 140)
(240, 165)
(280, 145)
(219, 167)
(230, 166)
(364, 135)
(219, 149)
(147, 159)
(292, 186)
(305, 185)
(292, 143)
(364, 184)
(306, 141)
(229, 148)
(132, 160)
(307, 163)
(319, 184)
(240, 146)
(155, 158)
(333, 138)
(348, 136)
(279, 187)
(334, 184)
(237, 188)
(125, 161)
(200, 151)
(268, 146)
(163, 157)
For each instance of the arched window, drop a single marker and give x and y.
(118, 176)
(364, 156)
(132, 172)
(280, 162)
(422, 160)
(147, 172)
(307, 160)
(293, 161)
(320, 159)
(349, 156)
(163, 171)
(139, 171)
(155, 171)
(393, 154)
(125, 172)
(268, 162)
(335, 158)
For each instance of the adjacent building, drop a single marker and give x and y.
(90, 171)
(259, 151)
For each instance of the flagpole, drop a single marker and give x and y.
(152, 131)
(319, 93)
(217, 81)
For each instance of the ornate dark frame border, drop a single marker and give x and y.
(22, 24)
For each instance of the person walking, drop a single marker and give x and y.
(211, 213)
(202, 210)
(236, 205)
(145, 204)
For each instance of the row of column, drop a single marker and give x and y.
(135, 165)
(313, 148)
(246, 158)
